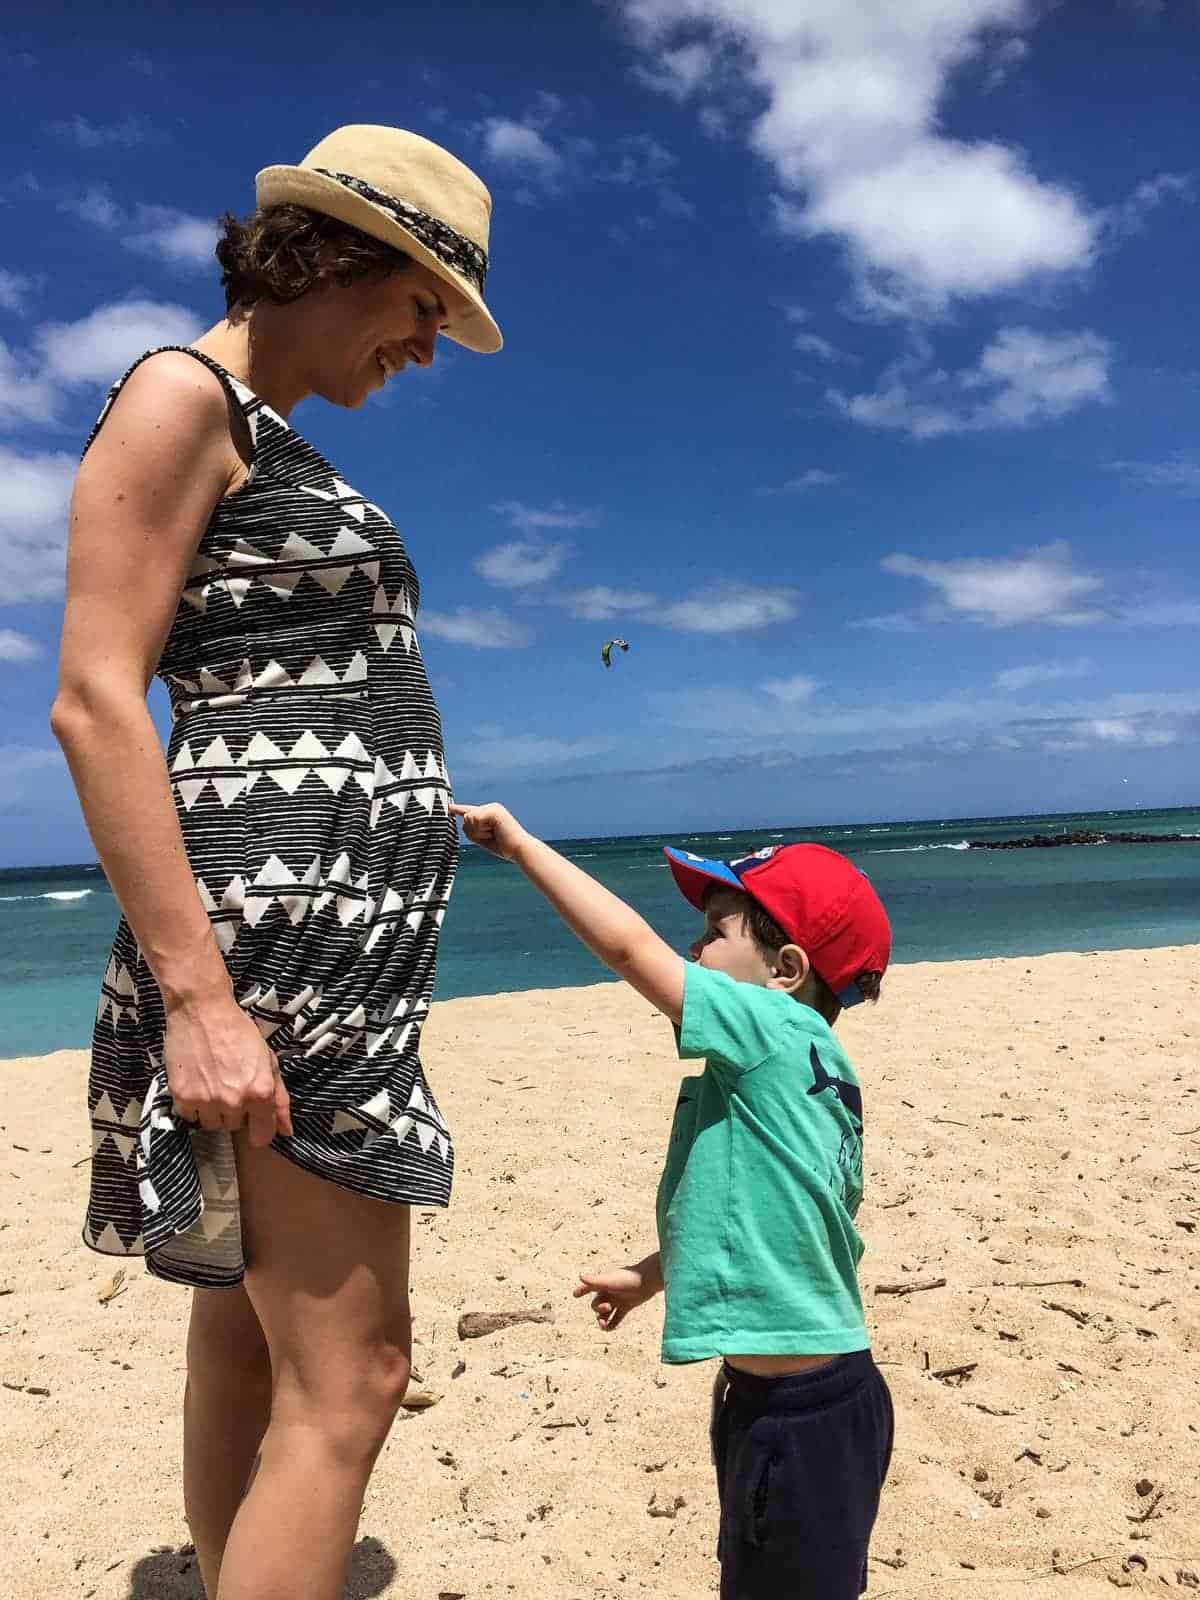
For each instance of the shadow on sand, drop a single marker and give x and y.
(172, 1574)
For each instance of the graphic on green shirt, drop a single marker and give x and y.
(850, 1157)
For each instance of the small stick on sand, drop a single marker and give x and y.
(1039, 1283)
(477, 1324)
(910, 1288)
(964, 1371)
(1081, 1317)
(1151, 1509)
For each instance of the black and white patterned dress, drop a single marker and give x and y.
(310, 783)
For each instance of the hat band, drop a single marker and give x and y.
(452, 248)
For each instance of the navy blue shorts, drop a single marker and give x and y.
(800, 1465)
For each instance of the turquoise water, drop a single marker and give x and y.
(946, 903)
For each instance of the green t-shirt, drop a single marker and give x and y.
(762, 1180)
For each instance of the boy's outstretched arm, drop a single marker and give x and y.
(621, 938)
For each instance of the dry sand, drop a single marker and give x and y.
(1027, 1120)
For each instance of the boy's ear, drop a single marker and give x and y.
(790, 969)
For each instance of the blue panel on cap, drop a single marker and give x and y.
(719, 871)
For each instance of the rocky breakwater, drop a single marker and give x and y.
(1052, 841)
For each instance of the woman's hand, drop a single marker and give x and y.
(221, 1072)
(492, 828)
(616, 1293)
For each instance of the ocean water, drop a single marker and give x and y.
(946, 902)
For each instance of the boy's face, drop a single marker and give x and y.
(726, 945)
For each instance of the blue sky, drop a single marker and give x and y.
(852, 375)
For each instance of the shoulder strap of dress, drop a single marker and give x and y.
(245, 399)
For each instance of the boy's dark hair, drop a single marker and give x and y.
(769, 937)
(281, 252)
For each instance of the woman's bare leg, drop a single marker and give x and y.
(327, 1276)
(226, 1405)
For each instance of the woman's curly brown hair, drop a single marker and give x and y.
(281, 252)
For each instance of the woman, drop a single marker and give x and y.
(261, 1120)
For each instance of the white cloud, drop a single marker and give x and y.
(1022, 377)
(680, 72)
(522, 562)
(812, 344)
(516, 144)
(95, 206)
(538, 149)
(95, 349)
(18, 646)
(890, 622)
(33, 523)
(1033, 376)
(852, 131)
(1090, 733)
(1039, 587)
(792, 691)
(14, 288)
(103, 136)
(601, 603)
(722, 608)
(16, 760)
(729, 608)
(533, 519)
(1043, 672)
(177, 238)
(173, 236)
(1130, 216)
(485, 629)
(1162, 614)
(1006, 56)
(810, 478)
(494, 751)
(1176, 473)
(26, 392)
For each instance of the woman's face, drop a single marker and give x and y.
(371, 329)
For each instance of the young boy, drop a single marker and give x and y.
(757, 1245)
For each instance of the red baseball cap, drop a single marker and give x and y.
(820, 899)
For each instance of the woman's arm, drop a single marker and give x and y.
(142, 499)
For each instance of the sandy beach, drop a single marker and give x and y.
(1033, 1139)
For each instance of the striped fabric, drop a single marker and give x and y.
(310, 783)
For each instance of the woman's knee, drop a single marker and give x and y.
(352, 1402)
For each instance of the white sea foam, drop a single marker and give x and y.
(908, 849)
(54, 894)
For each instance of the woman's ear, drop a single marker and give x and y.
(790, 969)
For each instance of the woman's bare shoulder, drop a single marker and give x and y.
(175, 385)
(169, 404)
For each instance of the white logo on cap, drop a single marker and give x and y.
(764, 854)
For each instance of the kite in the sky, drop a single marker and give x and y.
(607, 650)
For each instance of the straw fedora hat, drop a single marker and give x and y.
(412, 194)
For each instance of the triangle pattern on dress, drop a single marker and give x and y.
(118, 994)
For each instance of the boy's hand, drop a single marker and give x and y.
(615, 1294)
(492, 828)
